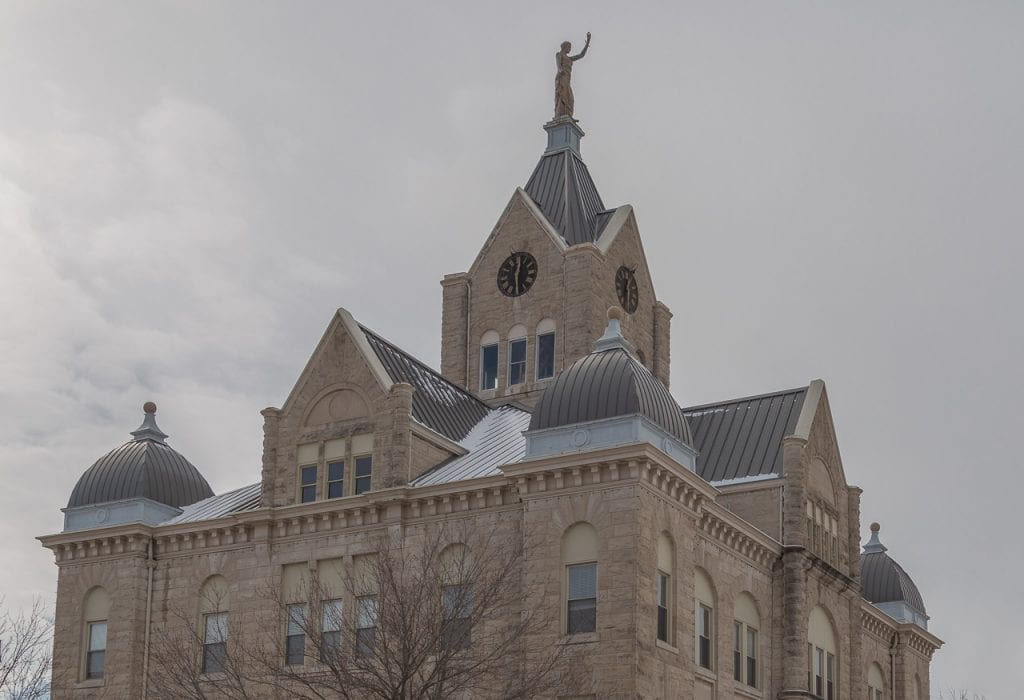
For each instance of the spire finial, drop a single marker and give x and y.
(612, 338)
(149, 430)
(874, 544)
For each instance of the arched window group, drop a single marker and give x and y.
(822, 655)
(518, 369)
(744, 632)
(876, 683)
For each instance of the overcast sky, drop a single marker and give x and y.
(824, 189)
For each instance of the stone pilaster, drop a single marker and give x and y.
(662, 332)
(271, 434)
(455, 327)
(394, 469)
(853, 530)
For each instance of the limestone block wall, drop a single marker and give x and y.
(759, 504)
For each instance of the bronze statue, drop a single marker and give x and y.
(564, 101)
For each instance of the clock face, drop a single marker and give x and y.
(625, 287)
(517, 274)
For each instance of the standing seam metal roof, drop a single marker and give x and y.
(141, 469)
(562, 188)
(608, 384)
(882, 580)
(436, 403)
(743, 437)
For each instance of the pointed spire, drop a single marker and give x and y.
(149, 430)
(613, 338)
(874, 545)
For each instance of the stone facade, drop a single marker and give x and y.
(754, 542)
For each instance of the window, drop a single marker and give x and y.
(330, 631)
(751, 657)
(364, 472)
(704, 631)
(745, 651)
(876, 682)
(457, 625)
(516, 361)
(823, 532)
(336, 479)
(215, 641)
(582, 599)
(366, 625)
(489, 360)
(663, 606)
(823, 670)
(96, 608)
(295, 640)
(704, 623)
(546, 355)
(307, 484)
(96, 653)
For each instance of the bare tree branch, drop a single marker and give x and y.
(26, 644)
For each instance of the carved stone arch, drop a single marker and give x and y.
(104, 577)
(214, 595)
(699, 573)
(837, 638)
(747, 597)
(820, 481)
(588, 507)
(337, 403)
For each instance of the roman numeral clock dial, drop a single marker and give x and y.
(625, 288)
(517, 274)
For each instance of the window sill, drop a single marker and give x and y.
(218, 676)
(744, 690)
(705, 673)
(579, 638)
(666, 646)
(92, 683)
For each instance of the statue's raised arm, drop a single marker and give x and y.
(564, 100)
(582, 53)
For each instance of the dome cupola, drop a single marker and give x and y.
(143, 480)
(887, 586)
(608, 398)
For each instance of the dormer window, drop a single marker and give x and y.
(322, 468)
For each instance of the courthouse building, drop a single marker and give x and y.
(703, 552)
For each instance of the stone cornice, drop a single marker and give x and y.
(881, 625)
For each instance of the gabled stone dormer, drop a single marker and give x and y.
(363, 416)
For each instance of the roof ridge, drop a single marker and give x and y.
(742, 399)
(421, 364)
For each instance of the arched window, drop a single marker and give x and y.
(666, 567)
(95, 613)
(822, 655)
(489, 360)
(746, 652)
(213, 610)
(579, 557)
(704, 628)
(456, 598)
(876, 682)
(545, 362)
(517, 355)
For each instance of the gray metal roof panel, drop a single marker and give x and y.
(882, 580)
(742, 438)
(495, 441)
(237, 501)
(141, 469)
(437, 403)
(608, 384)
(563, 190)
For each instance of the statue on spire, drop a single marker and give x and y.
(564, 101)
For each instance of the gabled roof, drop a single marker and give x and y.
(437, 403)
(495, 441)
(563, 190)
(742, 438)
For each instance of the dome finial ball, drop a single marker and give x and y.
(875, 527)
(615, 313)
(149, 407)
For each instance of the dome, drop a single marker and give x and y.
(143, 467)
(608, 383)
(884, 582)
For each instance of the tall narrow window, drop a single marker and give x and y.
(745, 651)
(830, 677)
(366, 626)
(364, 473)
(516, 361)
(215, 641)
(819, 672)
(663, 606)
(752, 657)
(582, 598)
(330, 631)
(456, 607)
(737, 651)
(308, 483)
(546, 349)
(489, 361)
(336, 479)
(704, 636)
(295, 639)
(95, 656)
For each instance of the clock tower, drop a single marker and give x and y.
(538, 293)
